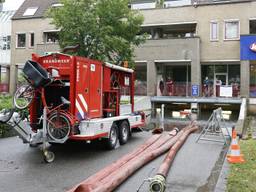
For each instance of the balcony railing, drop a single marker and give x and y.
(181, 89)
(47, 47)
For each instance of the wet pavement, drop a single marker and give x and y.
(22, 168)
(190, 171)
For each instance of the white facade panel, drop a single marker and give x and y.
(8, 9)
(5, 37)
(143, 5)
(177, 3)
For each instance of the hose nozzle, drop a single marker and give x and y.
(157, 184)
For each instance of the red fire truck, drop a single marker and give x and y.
(75, 98)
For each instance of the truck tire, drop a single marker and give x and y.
(124, 132)
(111, 141)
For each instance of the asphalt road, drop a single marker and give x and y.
(23, 170)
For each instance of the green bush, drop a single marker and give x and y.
(5, 102)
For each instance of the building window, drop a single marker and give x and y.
(232, 30)
(214, 31)
(5, 42)
(252, 26)
(51, 37)
(21, 40)
(214, 76)
(141, 79)
(253, 79)
(31, 40)
(30, 11)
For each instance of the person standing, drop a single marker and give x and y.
(161, 87)
(206, 87)
(169, 86)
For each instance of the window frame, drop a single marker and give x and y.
(211, 30)
(30, 46)
(45, 36)
(21, 33)
(238, 32)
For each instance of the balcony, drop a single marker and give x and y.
(151, 4)
(169, 49)
(42, 49)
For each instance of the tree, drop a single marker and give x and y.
(160, 3)
(105, 29)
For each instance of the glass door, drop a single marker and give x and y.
(220, 79)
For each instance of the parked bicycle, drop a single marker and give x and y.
(59, 120)
(6, 115)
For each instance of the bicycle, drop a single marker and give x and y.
(59, 120)
(6, 115)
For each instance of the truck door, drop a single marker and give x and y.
(82, 89)
(95, 90)
(88, 89)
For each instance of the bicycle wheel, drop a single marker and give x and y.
(58, 127)
(23, 96)
(6, 115)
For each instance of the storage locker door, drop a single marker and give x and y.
(82, 90)
(95, 90)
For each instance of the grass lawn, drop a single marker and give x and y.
(242, 177)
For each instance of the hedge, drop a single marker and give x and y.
(5, 102)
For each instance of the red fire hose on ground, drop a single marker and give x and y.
(113, 175)
(157, 184)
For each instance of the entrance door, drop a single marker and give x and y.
(220, 79)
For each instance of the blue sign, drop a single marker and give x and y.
(248, 47)
(195, 90)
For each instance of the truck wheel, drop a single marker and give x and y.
(113, 137)
(124, 132)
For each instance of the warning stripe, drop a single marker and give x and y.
(79, 108)
(81, 97)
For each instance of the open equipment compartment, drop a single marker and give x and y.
(36, 74)
(59, 67)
